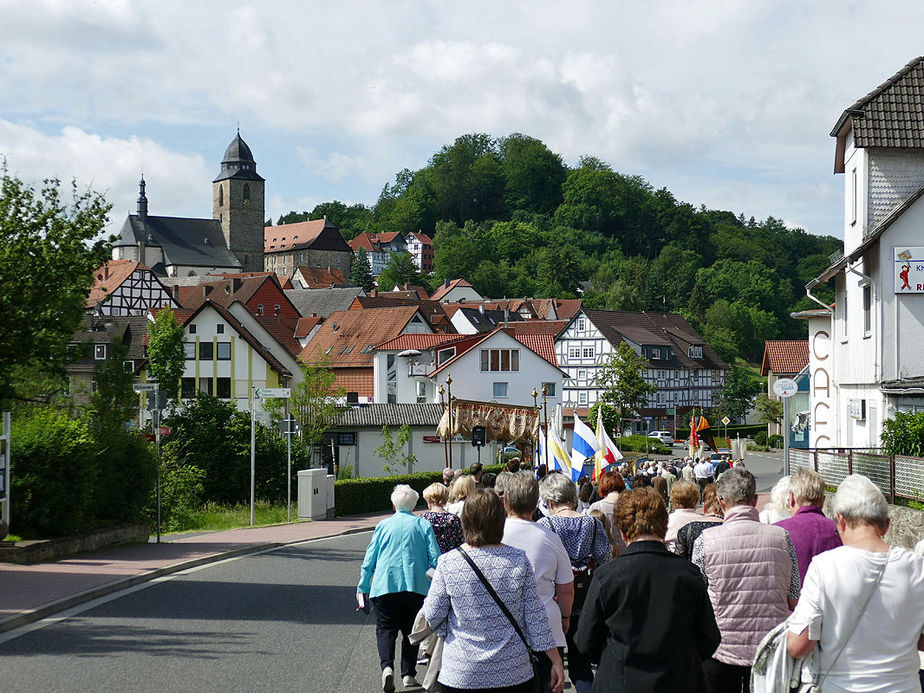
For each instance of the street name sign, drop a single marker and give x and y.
(272, 392)
(144, 387)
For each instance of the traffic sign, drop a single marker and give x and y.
(165, 430)
(144, 387)
(272, 392)
(785, 387)
(726, 420)
(289, 426)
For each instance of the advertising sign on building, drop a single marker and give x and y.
(909, 270)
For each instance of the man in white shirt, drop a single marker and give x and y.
(703, 472)
(547, 555)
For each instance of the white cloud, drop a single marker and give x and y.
(334, 166)
(177, 184)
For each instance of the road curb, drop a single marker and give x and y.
(58, 605)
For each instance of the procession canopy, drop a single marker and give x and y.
(505, 422)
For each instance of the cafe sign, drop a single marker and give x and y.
(908, 270)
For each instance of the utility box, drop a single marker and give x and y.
(315, 494)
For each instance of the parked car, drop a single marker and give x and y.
(665, 437)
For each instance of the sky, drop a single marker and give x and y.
(727, 104)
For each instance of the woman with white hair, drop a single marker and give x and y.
(777, 508)
(394, 575)
(863, 601)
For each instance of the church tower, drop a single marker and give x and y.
(237, 203)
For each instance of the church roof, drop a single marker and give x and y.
(319, 234)
(187, 242)
(238, 162)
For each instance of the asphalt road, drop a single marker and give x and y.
(767, 467)
(283, 620)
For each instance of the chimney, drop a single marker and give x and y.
(481, 309)
(105, 270)
(176, 292)
(236, 284)
(446, 282)
(207, 289)
(506, 317)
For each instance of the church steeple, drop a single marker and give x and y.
(238, 204)
(142, 200)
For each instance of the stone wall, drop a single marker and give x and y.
(51, 549)
(906, 528)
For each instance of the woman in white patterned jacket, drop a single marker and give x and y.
(483, 650)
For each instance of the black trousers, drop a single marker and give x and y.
(726, 678)
(393, 613)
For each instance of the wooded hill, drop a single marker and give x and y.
(510, 217)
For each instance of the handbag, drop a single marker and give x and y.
(582, 576)
(535, 686)
(817, 687)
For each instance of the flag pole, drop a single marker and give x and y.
(545, 407)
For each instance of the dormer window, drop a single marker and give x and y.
(695, 352)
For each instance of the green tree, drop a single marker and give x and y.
(114, 401)
(397, 458)
(737, 395)
(400, 269)
(47, 258)
(769, 411)
(361, 271)
(623, 384)
(314, 401)
(166, 352)
(903, 434)
(533, 174)
(610, 418)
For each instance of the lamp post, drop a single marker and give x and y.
(545, 407)
(445, 449)
(535, 395)
(451, 427)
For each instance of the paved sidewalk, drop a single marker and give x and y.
(31, 592)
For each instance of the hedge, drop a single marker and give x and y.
(373, 494)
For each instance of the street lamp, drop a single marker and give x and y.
(545, 407)
(445, 448)
(451, 427)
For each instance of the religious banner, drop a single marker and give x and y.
(504, 422)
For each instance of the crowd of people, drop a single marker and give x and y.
(644, 580)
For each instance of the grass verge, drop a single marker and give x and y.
(214, 518)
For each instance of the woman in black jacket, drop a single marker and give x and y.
(647, 619)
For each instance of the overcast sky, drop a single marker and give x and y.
(728, 104)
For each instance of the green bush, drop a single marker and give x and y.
(53, 474)
(775, 441)
(214, 437)
(180, 495)
(373, 494)
(760, 438)
(637, 443)
(904, 434)
(126, 467)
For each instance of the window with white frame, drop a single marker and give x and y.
(587, 352)
(99, 351)
(549, 389)
(500, 359)
(867, 310)
(582, 324)
(500, 390)
(582, 374)
(695, 352)
(582, 397)
(421, 392)
(189, 351)
(574, 352)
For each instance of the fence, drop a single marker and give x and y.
(897, 476)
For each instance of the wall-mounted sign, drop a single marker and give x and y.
(908, 270)
(785, 387)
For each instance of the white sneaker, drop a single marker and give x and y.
(388, 680)
(410, 682)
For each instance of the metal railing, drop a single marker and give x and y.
(897, 476)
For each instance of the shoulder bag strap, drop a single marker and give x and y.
(494, 595)
(869, 596)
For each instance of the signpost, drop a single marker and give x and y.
(5, 471)
(288, 427)
(726, 421)
(478, 439)
(260, 393)
(785, 388)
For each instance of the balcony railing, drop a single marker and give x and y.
(418, 370)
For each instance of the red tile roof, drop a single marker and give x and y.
(283, 331)
(305, 325)
(287, 235)
(419, 341)
(320, 277)
(372, 241)
(542, 344)
(347, 337)
(784, 356)
(535, 327)
(422, 237)
(109, 277)
(444, 289)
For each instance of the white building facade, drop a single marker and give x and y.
(875, 334)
